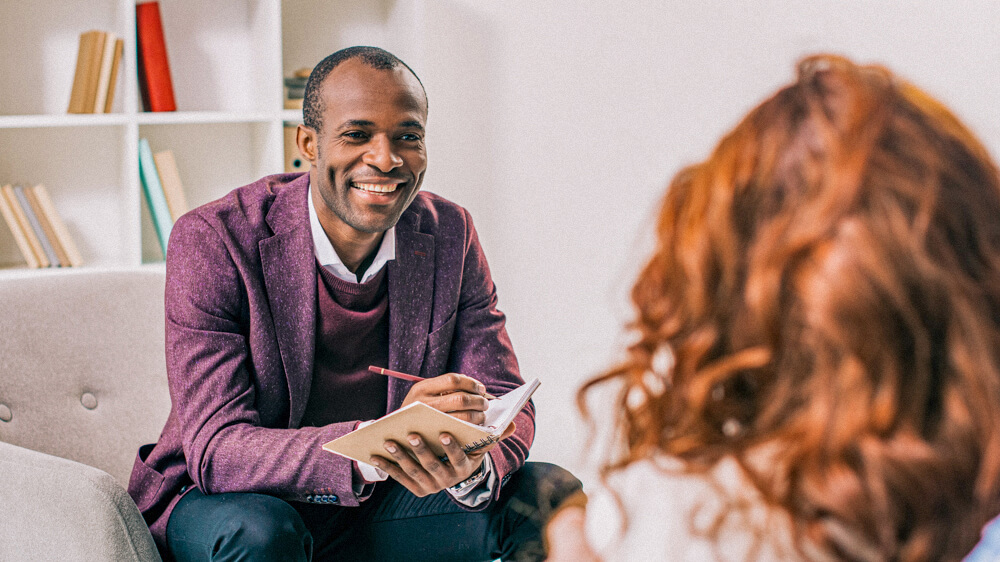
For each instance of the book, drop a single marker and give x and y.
(155, 197)
(94, 71)
(58, 226)
(155, 84)
(22, 222)
(15, 229)
(170, 179)
(77, 94)
(365, 442)
(113, 81)
(110, 59)
(88, 61)
(61, 257)
(36, 226)
(294, 161)
(104, 73)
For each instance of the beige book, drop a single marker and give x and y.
(104, 72)
(170, 179)
(84, 59)
(367, 441)
(15, 228)
(58, 226)
(22, 221)
(115, 65)
(93, 72)
(46, 224)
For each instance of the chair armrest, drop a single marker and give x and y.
(58, 509)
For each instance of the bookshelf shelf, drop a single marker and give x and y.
(227, 61)
(203, 117)
(35, 121)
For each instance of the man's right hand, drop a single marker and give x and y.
(458, 395)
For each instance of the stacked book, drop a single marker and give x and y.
(97, 63)
(161, 184)
(39, 232)
(295, 88)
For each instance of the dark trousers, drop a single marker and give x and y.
(392, 524)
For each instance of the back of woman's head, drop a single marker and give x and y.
(824, 306)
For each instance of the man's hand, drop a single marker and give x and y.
(415, 466)
(461, 396)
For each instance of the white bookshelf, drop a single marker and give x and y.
(227, 60)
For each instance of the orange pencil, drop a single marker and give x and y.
(407, 377)
(391, 373)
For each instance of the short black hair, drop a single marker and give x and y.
(379, 59)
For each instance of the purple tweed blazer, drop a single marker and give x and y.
(240, 339)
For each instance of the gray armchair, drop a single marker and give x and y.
(82, 385)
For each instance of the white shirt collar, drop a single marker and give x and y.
(329, 259)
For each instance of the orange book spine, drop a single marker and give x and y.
(154, 68)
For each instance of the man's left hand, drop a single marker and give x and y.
(415, 465)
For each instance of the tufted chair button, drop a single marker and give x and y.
(88, 400)
(5, 413)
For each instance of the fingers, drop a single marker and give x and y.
(406, 470)
(474, 417)
(456, 456)
(433, 466)
(420, 469)
(453, 382)
(417, 467)
(457, 402)
(452, 394)
(464, 406)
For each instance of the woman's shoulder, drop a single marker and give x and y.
(653, 510)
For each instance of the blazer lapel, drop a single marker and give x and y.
(411, 293)
(288, 261)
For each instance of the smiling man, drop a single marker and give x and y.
(278, 298)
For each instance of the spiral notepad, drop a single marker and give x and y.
(365, 442)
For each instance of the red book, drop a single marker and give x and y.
(154, 70)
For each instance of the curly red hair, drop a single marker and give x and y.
(826, 287)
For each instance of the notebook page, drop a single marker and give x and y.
(502, 411)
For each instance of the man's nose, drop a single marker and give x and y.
(381, 155)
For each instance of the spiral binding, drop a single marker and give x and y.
(476, 445)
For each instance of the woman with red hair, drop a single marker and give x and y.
(816, 373)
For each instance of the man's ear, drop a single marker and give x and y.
(306, 140)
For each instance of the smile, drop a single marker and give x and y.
(375, 187)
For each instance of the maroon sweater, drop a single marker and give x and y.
(352, 332)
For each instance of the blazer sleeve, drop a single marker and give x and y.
(227, 387)
(480, 345)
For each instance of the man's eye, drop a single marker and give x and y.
(355, 135)
(411, 137)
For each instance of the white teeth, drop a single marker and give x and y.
(376, 187)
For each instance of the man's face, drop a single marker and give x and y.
(369, 156)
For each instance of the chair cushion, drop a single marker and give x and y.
(56, 509)
(82, 367)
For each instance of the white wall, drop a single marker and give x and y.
(558, 123)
